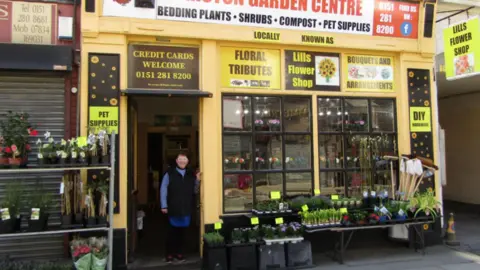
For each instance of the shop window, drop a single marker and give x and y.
(350, 153)
(270, 140)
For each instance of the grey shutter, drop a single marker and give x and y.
(42, 96)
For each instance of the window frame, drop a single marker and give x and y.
(344, 134)
(253, 133)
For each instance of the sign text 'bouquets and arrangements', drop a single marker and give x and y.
(462, 49)
(163, 67)
(312, 71)
(250, 68)
(367, 17)
(369, 73)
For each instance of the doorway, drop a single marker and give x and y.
(164, 127)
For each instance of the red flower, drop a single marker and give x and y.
(345, 218)
(14, 148)
(28, 147)
(8, 150)
(34, 132)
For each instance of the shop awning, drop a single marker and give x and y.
(35, 57)
(166, 93)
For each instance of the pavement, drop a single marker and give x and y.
(466, 256)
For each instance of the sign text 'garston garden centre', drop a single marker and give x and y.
(367, 17)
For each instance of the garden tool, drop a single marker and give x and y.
(418, 174)
(410, 164)
(403, 173)
(392, 175)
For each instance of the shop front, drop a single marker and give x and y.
(284, 102)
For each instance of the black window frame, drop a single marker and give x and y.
(252, 133)
(347, 133)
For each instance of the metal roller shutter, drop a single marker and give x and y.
(42, 96)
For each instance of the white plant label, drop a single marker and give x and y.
(5, 213)
(35, 214)
(384, 210)
(401, 212)
(365, 194)
(373, 193)
(62, 188)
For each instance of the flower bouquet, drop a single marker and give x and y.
(100, 251)
(81, 254)
(16, 131)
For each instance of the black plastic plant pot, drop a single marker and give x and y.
(94, 160)
(18, 224)
(106, 159)
(214, 258)
(299, 254)
(91, 221)
(42, 162)
(7, 226)
(271, 257)
(243, 257)
(102, 220)
(54, 161)
(62, 161)
(38, 225)
(66, 220)
(82, 162)
(79, 218)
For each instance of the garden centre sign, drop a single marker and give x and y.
(462, 49)
(365, 17)
(250, 68)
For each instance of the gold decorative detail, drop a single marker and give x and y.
(421, 143)
(94, 87)
(114, 204)
(103, 64)
(425, 78)
(94, 176)
(418, 78)
(426, 92)
(429, 189)
(414, 152)
(411, 84)
(93, 75)
(411, 74)
(94, 59)
(111, 76)
(425, 227)
(414, 135)
(114, 68)
(416, 145)
(113, 101)
(94, 96)
(103, 81)
(426, 103)
(114, 87)
(105, 99)
(428, 155)
(413, 100)
(101, 172)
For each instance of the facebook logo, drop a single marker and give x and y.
(406, 28)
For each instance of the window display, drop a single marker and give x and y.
(351, 149)
(267, 146)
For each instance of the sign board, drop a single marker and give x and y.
(420, 119)
(250, 68)
(104, 118)
(462, 49)
(363, 17)
(28, 22)
(369, 73)
(312, 71)
(163, 67)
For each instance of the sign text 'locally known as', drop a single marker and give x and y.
(163, 67)
(369, 73)
(462, 49)
(266, 36)
(28, 23)
(250, 68)
(365, 17)
(312, 71)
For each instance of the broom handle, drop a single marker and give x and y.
(393, 180)
(419, 181)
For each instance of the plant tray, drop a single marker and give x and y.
(72, 226)
(283, 240)
(322, 226)
(271, 212)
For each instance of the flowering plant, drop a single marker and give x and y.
(46, 149)
(258, 122)
(237, 235)
(268, 231)
(282, 231)
(81, 254)
(16, 130)
(274, 122)
(294, 229)
(99, 253)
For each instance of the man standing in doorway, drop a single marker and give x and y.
(179, 185)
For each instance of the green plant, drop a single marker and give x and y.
(40, 198)
(268, 231)
(427, 203)
(237, 235)
(253, 233)
(13, 198)
(213, 239)
(16, 130)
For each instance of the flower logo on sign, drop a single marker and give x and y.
(122, 2)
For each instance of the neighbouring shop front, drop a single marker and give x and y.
(294, 105)
(36, 71)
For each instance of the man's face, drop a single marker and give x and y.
(182, 161)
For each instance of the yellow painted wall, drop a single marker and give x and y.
(112, 35)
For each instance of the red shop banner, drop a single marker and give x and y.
(28, 22)
(395, 19)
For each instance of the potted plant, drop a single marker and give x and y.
(426, 205)
(78, 206)
(16, 130)
(3, 154)
(274, 124)
(93, 149)
(10, 208)
(66, 203)
(100, 251)
(39, 204)
(253, 234)
(102, 189)
(268, 232)
(90, 202)
(104, 143)
(215, 253)
(62, 153)
(81, 254)
(258, 124)
(237, 236)
(281, 231)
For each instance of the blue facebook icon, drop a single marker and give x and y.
(406, 28)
